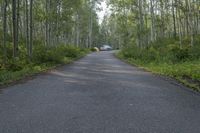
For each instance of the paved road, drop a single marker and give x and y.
(99, 94)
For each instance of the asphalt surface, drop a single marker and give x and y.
(99, 94)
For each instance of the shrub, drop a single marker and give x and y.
(42, 58)
(177, 54)
(194, 52)
(71, 52)
(55, 54)
(150, 54)
(166, 50)
(40, 54)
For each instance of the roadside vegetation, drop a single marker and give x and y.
(42, 60)
(162, 36)
(38, 35)
(166, 58)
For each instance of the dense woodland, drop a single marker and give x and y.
(161, 35)
(39, 33)
(146, 21)
(25, 23)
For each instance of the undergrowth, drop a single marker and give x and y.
(167, 57)
(43, 58)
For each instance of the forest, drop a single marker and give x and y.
(99, 66)
(37, 35)
(161, 36)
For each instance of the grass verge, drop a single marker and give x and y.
(187, 73)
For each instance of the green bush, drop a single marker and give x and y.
(42, 58)
(72, 52)
(166, 50)
(146, 54)
(150, 54)
(56, 54)
(166, 57)
(177, 54)
(40, 54)
(194, 52)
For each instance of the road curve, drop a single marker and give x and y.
(99, 94)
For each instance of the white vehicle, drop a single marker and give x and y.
(106, 48)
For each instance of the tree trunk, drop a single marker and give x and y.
(14, 18)
(31, 28)
(5, 30)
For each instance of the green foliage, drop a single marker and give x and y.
(167, 50)
(166, 57)
(146, 55)
(56, 55)
(42, 59)
(176, 54)
(194, 52)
